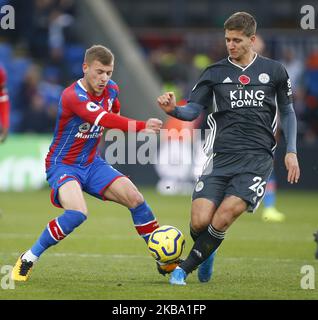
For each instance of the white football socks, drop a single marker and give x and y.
(29, 256)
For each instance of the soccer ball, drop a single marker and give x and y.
(166, 244)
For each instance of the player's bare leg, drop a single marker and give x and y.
(123, 191)
(202, 211)
(228, 211)
(71, 197)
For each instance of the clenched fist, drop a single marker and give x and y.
(153, 125)
(167, 102)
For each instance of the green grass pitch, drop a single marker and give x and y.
(105, 259)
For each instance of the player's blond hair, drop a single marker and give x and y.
(99, 53)
(241, 21)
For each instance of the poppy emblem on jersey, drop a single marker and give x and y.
(199, 186)
(84, 127)
(92, 107)
(244, 79)
(263, 78)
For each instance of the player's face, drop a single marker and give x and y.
(238, 44)
(97, 75)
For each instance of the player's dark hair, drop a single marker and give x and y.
(241, 21)
(99, 53)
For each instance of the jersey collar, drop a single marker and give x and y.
(100, 98)
(243, 68)
(79, 82)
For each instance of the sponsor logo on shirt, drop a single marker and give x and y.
(86, 131)
(247, 98)
(263, 78)
(289, 92)
(92, 107)
(84, 127)
(227, 80)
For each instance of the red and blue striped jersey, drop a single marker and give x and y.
(78, 127)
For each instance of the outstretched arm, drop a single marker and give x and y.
(289, 128)
(115, 121)
(96, 115)
(189, 112)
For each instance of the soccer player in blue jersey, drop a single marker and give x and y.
(73, 165)
(246, 92)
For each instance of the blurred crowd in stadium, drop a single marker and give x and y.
(44, 54)
(179, 64)
(41, 56)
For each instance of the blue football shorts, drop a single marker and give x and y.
(93, 179)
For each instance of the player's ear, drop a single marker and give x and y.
(85, 68)
(253, 38)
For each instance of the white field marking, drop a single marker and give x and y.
(136, 237)
(279, 238)
(145, 256)
(86, 255)
(30, 235)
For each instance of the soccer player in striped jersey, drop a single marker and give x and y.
(246, 91)
(73, 165)
(4, 106)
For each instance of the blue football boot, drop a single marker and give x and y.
(178, 277)
(206, 268)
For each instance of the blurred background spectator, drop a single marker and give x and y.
(42, 54)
